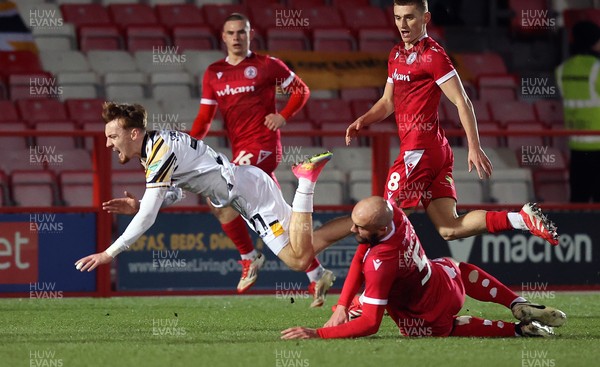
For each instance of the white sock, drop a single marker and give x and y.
(315, 274)
(517, 300)
(303, 203)
(516, 220)
(306, 186)
(250, 255)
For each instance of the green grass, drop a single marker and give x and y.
(244, 331)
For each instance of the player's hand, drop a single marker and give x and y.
(353, 129)
(127, 205)
(274, 121)
(482, 163)
(91, 262)
(299, 333)
(340, 316)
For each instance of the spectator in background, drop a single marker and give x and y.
(579, 83)
(243, 86)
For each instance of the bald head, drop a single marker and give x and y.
(372, 218)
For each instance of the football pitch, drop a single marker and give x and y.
(244, 331)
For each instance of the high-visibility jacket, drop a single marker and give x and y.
(578, 79)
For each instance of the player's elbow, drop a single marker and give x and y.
(448, 234)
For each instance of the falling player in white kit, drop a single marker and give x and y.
(173, 161)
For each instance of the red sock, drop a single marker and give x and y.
(484, 287)
(237, 231)
(313, 265)
(474, 326)
(497, 221)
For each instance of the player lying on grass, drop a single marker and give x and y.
(422, 296)
(175, 158)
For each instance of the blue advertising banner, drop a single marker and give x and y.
(190, 252)
(37, 253)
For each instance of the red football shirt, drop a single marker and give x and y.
(398, 277)
(416, 75)
(245, 94)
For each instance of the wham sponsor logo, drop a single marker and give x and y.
(400, 77)
(229, 91)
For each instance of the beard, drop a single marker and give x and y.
(371, 240)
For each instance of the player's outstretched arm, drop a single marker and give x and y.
(91, 262)
(453, 89)
(380, 110)
(339, 316)
(299, 333)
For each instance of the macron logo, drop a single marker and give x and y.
(228, 91)
(376, 263)
(400, 77)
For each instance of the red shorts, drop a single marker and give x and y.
(446, 295)
(265, 158)
(421, 175)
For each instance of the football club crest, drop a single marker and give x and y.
(250, 72)
(411, 58)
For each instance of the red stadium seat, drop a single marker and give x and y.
(360, 106)
(76, 187)
(329, 142)
(473, 65)
(34, 188)
(100, 37)
(215, 14)
(85, 110)
(497, 87)
(487, 141)
(323, 17)
(377, 39)
(551, 185)
(518, 143)
(497, 94)
(305, 4)
(172, 15)
(510, 111)
(124, 15)
(274, 15)
(21, 159)
(85, 14)
(327, 110)
(359, 17)
(35, 110)
(73, 159)
(287, 140)
(333, 40)
(32, 85)
(9, 112)
(371, 94)
(58, 142)
(350, 3)
(550, 111)
(197, 37)
(13, 142)
(287, 39)
(531, 17)
(19, 62)
(146, 37)
(128, 180)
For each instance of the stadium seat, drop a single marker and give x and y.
(78, 85)
(283, 39)
(93, 127)
(132, 181)
(361, 17)
(507, 112)
(333, 40)
(348, 159)
(147, 37)
(172, 15)
(5, 199)
(550, 111)
(215, 14)
(469, 188)
(350, 3)
(377, 39)
(551, 185)
(100, 37)
(472, 65)
(487, 141)
(32, 85)
(305, 4)
(36, 110)
(60, 143)
(497, 94)
(125, 15)
(520, 20)
(126, 86)
(21, 159)
(85, 14)
(360, 106)
(327, 110)
(40, 14)
(9, 113)
(148, 62)
(511, 186)
(272, 16)
(34, 188)
(59, 61)
(573, 16)
(55, 38)
(73, 159)
(367, 93)
(329, 193)
(175, 85)
(300, 116)
(522, 142)
(330, 142)
(103, 62)
(13, 142)
(77, 187)
(323, 17)
(559, 142)
(19, 62)
(198, 61)
(197, 37)
(287, 140)
(185, 109)
(85, 110)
